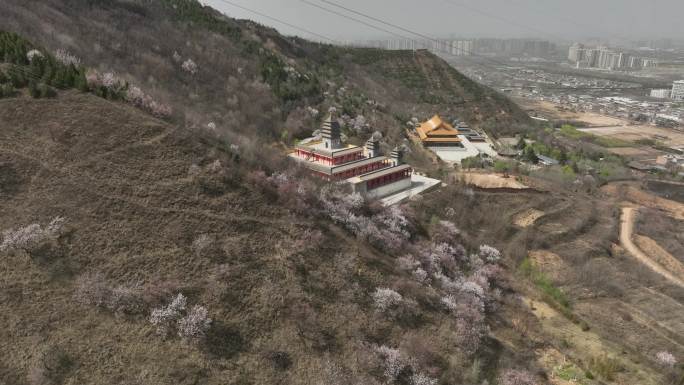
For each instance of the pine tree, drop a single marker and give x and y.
(529, 155)
(521, 143)
(46, 91)
(80, 82)
(33, 89)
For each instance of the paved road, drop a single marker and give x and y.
(626, 232)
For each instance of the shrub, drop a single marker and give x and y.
(140, 99)
(385, 299)
(517, 377)
(34, 54)
(66, 58)
(165, 317)
(665, 359)
(489, 254)
(552, 293)
(394, 363)
(31, 237)
(202, 243)
(52, 366)
(93, 290)
(190, 325)
(190, 67)
(422, 379)
(605, 367)
(194, 326)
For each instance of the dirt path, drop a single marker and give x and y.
(626, 233)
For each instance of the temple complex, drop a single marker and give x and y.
(453, 142)
(369, 172)
(438, 133)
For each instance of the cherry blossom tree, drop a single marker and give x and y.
(30, 237)
(66, 58)
(393, 362)
(666, 359)
(422, 379)
(190, 67)
(140, 99)
(489, 254)
(195, 325)
(385, 298)
(33, 55)
(165, 317)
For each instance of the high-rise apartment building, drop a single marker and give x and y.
(678, 90)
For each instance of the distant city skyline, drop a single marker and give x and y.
(544, 19)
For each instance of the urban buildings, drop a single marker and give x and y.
(678, 91)
(663, 93)
(470, 47)
(605, 58)
(576, 53)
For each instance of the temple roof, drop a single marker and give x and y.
(436, 127)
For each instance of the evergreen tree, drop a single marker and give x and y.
(80, 82)
(33, 89)
(17, 78)
(46, 91)
(529, 155)
(521, 143)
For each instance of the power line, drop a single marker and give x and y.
(497, 17)
(437, 41)
(280, 21)
(353, 19)
(421, 35)
(400, 35)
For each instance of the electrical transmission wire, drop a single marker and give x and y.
(499, 18)
(281, 22)
(373, 26)
(421, 35)
(438, 42)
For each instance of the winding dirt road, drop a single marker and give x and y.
(626, 232)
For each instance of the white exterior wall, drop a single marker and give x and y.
(678, 90)
(389, 188)
(661, 94)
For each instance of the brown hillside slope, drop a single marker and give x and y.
(138, 196)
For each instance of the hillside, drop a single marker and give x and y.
(153, 234)
(250, 79)
(151, 211)
(146, 211)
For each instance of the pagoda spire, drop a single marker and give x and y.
(330, 131)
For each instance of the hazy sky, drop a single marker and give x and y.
(551, 19)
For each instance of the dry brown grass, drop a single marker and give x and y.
(136, 208)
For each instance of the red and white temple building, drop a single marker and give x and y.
(370, 174)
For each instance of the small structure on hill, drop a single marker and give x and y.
(469, 133)
(450, 144)
(369, 172)
(438, 133)
(547, 161)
